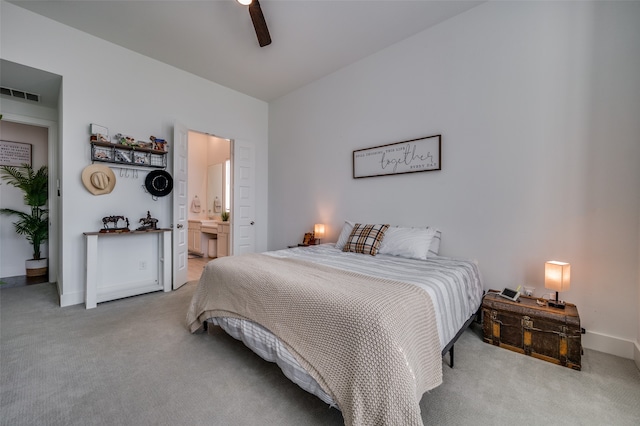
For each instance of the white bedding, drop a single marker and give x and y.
(453, 284)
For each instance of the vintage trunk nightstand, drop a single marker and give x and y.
(543, 332)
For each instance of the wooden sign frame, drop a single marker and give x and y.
(412, 156)
(15, 153)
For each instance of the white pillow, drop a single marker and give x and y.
(434, 248)
(344, 234)
(412, 243)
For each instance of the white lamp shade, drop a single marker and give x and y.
(557, 275)
(318, 230)
(245, 2)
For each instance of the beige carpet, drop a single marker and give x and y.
(132, 362)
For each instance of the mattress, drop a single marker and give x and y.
(454, 286)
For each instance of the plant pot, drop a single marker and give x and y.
(36, 267)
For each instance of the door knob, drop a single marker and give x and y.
(180, 226)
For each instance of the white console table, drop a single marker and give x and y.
(94, 295)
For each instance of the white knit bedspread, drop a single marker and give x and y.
(454, 285)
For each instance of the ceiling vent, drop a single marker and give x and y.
(20, 94)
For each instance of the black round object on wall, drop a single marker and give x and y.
(159, 183)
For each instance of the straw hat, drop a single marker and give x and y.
(98, 179)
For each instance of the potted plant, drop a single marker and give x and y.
(224, 216)
(34, 225)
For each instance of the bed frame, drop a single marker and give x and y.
(477, 317)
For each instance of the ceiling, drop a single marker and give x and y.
(216, 40)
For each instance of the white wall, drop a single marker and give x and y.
(131, 94)
(537, 104)
(636, 354)
(14, 248)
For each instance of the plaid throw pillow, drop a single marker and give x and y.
(365, 239)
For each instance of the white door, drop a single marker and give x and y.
(243, 208)
(180, 218)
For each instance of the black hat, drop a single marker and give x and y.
(159, 183)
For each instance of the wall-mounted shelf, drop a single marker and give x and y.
(127, 155)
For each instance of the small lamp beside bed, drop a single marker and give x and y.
(557, 276)
(318, 232)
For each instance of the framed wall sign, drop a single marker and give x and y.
(15, 153)
(415, 155)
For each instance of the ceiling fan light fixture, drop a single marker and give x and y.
(259, 23)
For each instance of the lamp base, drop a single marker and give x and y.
(558, 304)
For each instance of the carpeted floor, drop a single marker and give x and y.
(132, 362)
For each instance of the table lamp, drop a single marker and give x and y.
(318, 232)
(557, 276)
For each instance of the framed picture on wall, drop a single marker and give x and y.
(415, 155)
(15, 153)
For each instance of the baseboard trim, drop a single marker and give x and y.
(59, 287)
(609, 344)
(70, 299)
(636, 353)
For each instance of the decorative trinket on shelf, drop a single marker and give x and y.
(308, 238)
(114, 220)
(158, 144)
(124, 140)
(98, 138)
(145, 145)
(148, 223)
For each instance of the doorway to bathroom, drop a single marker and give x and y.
(209, 194)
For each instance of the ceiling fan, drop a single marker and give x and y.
(257, 17)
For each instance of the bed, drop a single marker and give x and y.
(295, 307)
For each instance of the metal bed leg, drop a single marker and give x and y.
(449, 347)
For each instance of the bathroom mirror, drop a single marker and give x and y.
(215, 190)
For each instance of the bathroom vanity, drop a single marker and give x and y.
(209, 238)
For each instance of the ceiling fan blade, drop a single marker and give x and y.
(259, 23)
